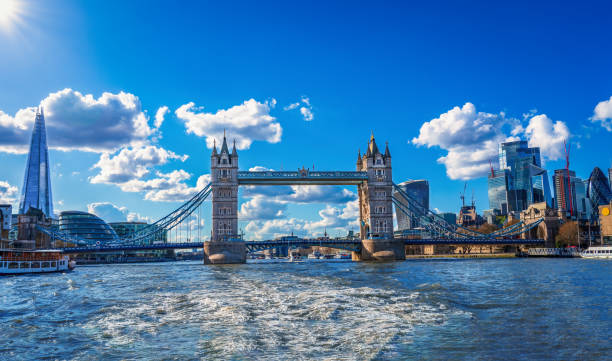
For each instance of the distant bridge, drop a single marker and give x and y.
(353, 245)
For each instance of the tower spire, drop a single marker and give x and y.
(36, 190)
(234, 153)
(214, 152)
(224, 145)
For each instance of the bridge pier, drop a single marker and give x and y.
(220, 252)
(381, 250)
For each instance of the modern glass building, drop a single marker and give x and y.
(417, 190)
(87, 226)
(599, 191)
(563, 181)
(498, 183)
(36, 190)
(449, 217)
(523, 177)
(584, 208)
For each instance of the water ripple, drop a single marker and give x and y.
(483, 309)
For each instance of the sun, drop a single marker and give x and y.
(10, 12)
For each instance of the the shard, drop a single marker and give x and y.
(36, 191)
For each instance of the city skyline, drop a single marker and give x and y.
(118, 134)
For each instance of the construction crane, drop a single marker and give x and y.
(462, 195)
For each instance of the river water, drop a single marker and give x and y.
(418, 309)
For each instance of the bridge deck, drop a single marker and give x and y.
(347, 244)
(303, 177)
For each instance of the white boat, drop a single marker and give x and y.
(597, 252)
(18, 261)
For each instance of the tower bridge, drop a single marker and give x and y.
(375, 188)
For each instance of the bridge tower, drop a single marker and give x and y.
(376, 206)
(225, 245)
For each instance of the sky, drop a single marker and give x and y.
(135, 93)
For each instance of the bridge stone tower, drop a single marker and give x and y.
(225, 245)
(376, 207)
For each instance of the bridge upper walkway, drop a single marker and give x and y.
(302, 177)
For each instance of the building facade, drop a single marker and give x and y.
(520, 180)
(449, 217)
(87, 226)
(605, 223)
(36, 190)
(418, 190)
(6, 222)
(498, 185)
(598, 192)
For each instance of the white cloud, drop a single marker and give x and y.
(79, 122)
(112, 213)
(8, 193)
(131, 163)
(292, 106)
(260, 208)
(159, 116)
(332, 219)
(603, 114)
(471, 138)
(549, 136)
(305, 108)
(173, 189)
(307, 113)
(247, 122)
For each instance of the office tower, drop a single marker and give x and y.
(599, 191)
(36, 191)
(418, 190)
(577, 205)
(520, 170)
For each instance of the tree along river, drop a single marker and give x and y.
(418, 309)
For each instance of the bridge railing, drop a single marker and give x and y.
(309, 174)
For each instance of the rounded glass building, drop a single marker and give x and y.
(86, 226)
(599, 189)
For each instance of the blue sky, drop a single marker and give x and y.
(442, 82)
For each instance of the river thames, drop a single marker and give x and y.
(418, 309)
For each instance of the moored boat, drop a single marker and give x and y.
(597, 252)
(17, 261)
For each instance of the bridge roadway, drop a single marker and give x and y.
(345, 244)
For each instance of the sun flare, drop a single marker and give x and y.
(10, 12)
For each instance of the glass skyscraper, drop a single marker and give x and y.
(577, 202)
(599, 191)
(419, 191)
(36, 191)
(520, 180)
